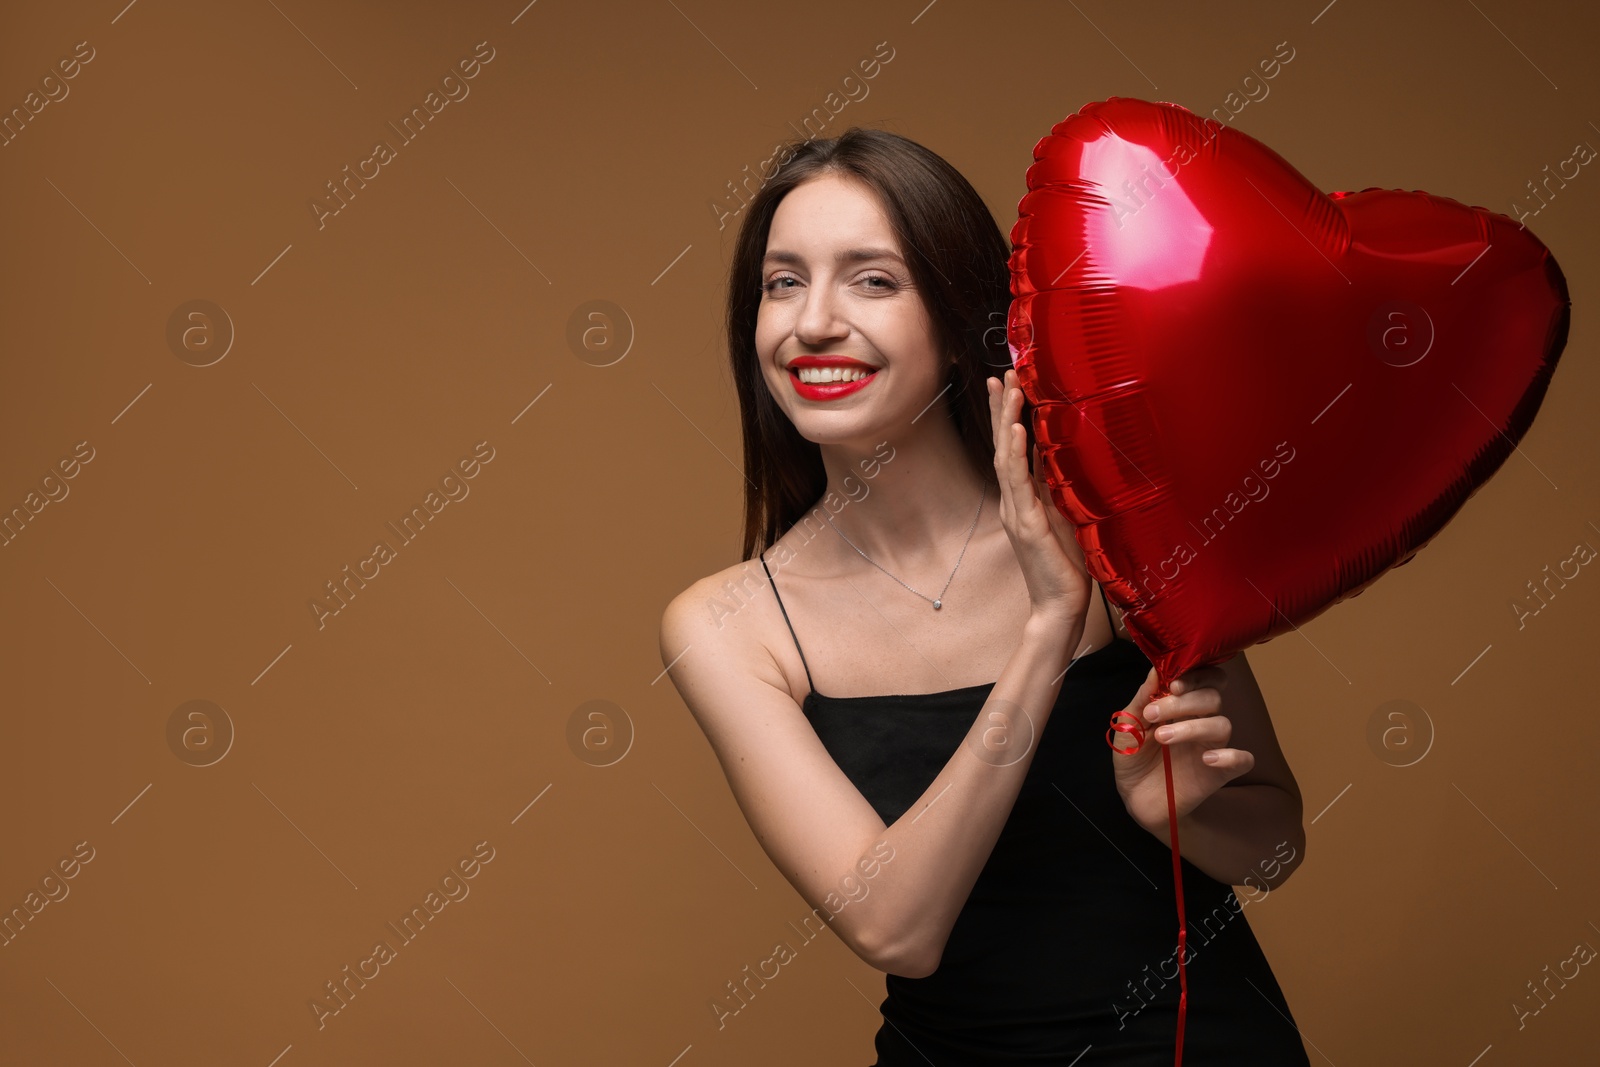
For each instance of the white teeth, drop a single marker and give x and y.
(820, 375)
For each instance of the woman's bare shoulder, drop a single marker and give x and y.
(723, 616)
(720, 598)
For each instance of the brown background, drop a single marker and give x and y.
(370, 354)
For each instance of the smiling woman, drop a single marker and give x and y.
(965, 682)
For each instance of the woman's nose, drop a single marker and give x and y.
(821, 317)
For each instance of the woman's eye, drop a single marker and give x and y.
(779, 283)
(879, 281)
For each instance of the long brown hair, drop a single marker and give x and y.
(956, 255)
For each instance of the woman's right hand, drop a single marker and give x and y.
(1058, 585)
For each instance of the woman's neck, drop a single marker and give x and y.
(906, 502)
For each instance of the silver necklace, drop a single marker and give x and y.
(937, 602)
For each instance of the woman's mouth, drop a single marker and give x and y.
(829, 383)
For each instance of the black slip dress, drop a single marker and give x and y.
(1065, 951)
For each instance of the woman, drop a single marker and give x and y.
(930, 769)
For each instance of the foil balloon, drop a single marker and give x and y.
(1249, 397)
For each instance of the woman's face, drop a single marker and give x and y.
(838, 304)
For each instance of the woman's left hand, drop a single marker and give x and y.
(1192, 726)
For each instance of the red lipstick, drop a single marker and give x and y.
(828, 390)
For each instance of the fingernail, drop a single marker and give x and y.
(1211, 757)
(1152, 713)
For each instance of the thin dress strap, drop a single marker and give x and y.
(1109, 618)
(785, 611)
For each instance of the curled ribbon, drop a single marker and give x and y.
(1132, 726)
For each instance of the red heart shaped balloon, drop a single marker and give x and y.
(1250, 398)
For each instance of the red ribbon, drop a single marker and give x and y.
(1135, 728)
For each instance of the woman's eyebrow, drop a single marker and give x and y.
(849, 255)
(857, 255)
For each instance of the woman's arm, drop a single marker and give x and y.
(811, 820)
(813, 823)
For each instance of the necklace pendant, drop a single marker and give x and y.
(936, 605)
